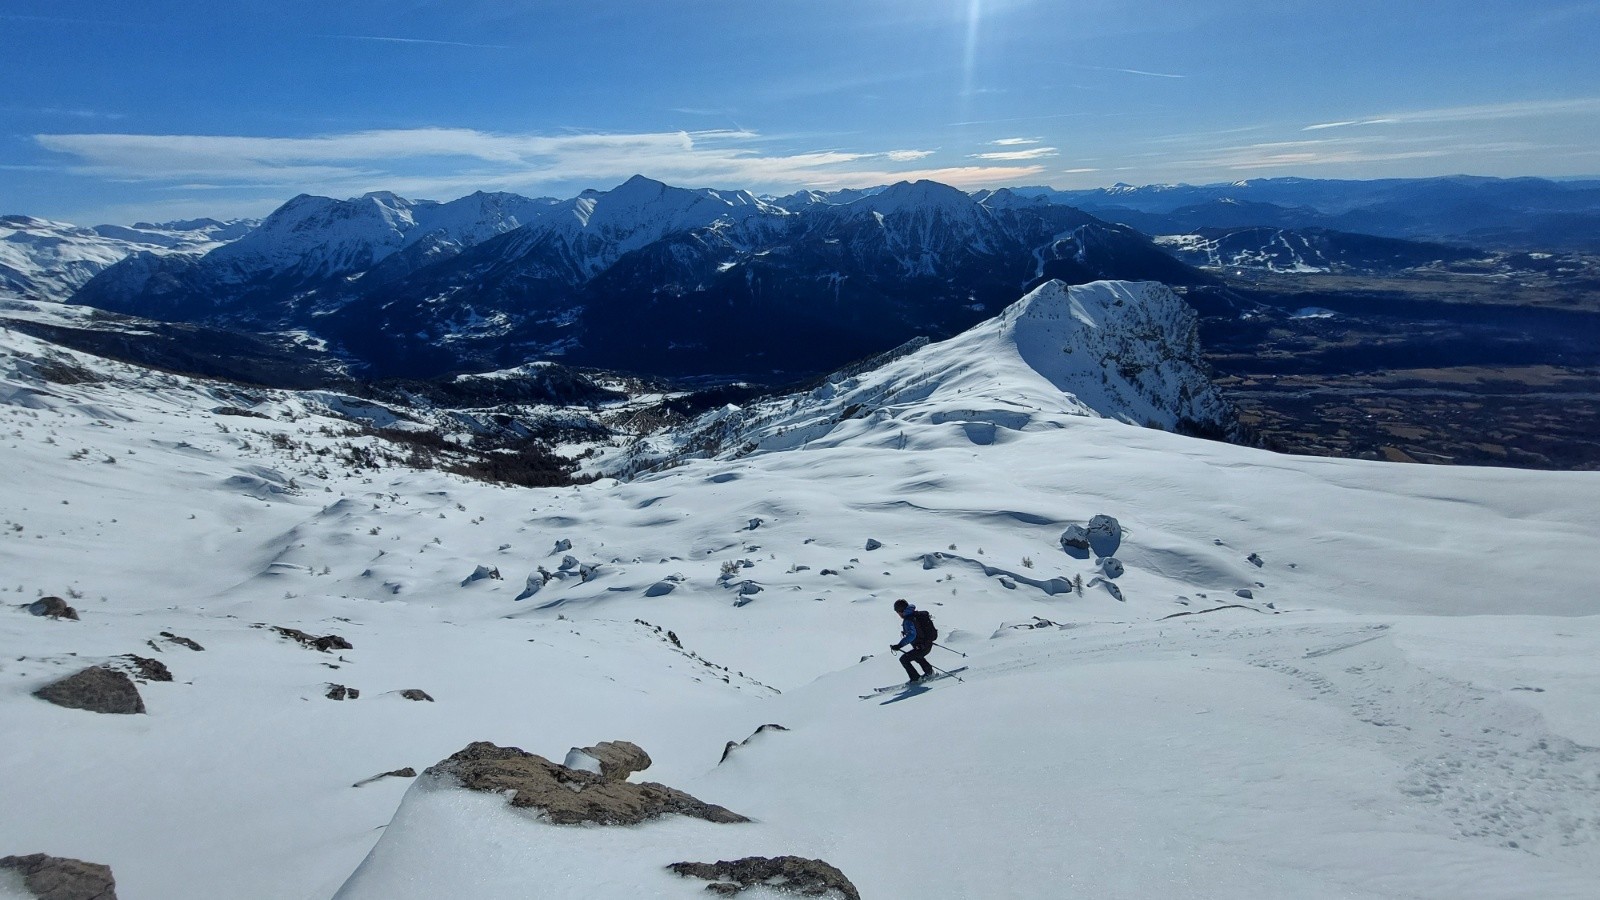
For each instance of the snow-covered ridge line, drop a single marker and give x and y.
(1117, 350)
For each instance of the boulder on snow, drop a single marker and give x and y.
(60, 878)
(480, 573)
(96, 689)
(325, 643)
(536, 581)
(789, 874)
(147, 668)
(181, 641)
(568, 796)
(1109, 585)
(1255, 559)
(1246, 593)
(611, 760)
(1075, 540)
(53, 608)
(661, 588)
(340, 692)
(873, 543)
(417, 694)
(1111, 567)
(562, 546)
(1105, 535)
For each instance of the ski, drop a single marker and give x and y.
(902, 686)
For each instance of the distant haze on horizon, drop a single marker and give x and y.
(181, 108)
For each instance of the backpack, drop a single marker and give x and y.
(926, 632)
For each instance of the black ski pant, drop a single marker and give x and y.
(917, 654)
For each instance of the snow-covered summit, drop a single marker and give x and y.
(48, 260)
(1128, 351)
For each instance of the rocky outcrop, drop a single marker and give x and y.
(60, 878)
(566, 796)
(789, 874)
(1075, 541)
(325, 643)
(181, 641)
(482, 573)
(416, 694)
(146, 668)
(1105, 535)
(53, 608)
(407, 772)
(96, 689)
(611, 760)
(340, 692)
(728, 749)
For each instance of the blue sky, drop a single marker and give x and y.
(173, 108)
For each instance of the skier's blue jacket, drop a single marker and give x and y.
(908, 627)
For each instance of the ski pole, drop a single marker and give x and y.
(951, 649)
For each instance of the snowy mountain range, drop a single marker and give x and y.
(644, 277)
(48, 260)
(252, 649)
(1503, 213)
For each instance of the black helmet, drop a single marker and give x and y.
(900, 606)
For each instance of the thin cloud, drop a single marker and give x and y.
(401, 40)
(434, 161)
(1482, 113)
(1015, 141)
(1130, 71)
(1030, 153)
(1078, 171)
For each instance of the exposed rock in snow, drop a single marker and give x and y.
(52, 607)
(731, 745)
(873, 544)
(181, 641)
(96, 689)
(480, 573)
(611, 760)
(325, 643)
(568, 796)
(785, 874)
(146, 668)
(60, 878)
(1105, 535)
(340, 692)
(1111, 567)
(1075, 540)
(406, 772)
(416, 694)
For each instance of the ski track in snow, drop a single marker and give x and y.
(1411, 717)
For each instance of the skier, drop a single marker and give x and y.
(917, 631)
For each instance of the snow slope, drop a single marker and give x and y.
(46, 260)
(1403, 708)
(1119, 350)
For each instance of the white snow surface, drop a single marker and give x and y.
(1403, 709)
(45, 260)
